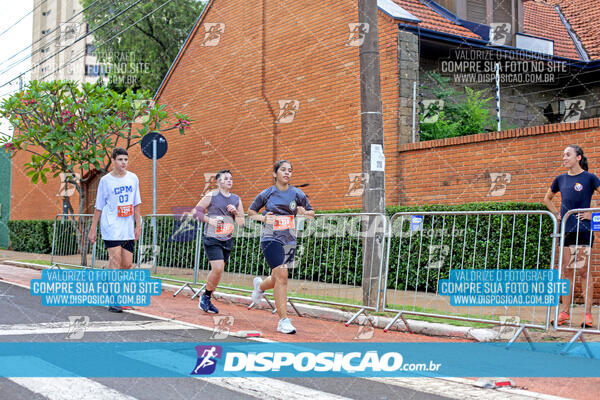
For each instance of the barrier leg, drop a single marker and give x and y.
(522, 329)
(393, 321)
(361, 311)
(183, 287)
(578, 335)
(199, 291)
(294, 307)
(273, 309)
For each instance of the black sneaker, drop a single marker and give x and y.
(115, 309)
(206, 306)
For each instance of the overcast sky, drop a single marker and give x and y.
(17, 38)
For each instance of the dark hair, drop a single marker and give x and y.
(583, 163)
(278, 165)
(118, 151)
(221, 172)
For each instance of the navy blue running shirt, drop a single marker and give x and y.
(280, 203)
(576, 192)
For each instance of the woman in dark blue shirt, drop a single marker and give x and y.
(576, 188)
(282, 202)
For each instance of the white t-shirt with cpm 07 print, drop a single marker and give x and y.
(116, 199)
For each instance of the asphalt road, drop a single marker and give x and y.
(24, 320)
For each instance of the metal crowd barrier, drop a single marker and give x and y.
(334, 277)
(333, 248)
(424, 247)
(574, 265)
(170, 247)
(70, 244)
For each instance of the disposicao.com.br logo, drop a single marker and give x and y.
(302, 361)
(369, 361)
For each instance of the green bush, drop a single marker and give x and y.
(35, 236)
(463, 114)
(333, 249)
(419, 258)
(31, 236)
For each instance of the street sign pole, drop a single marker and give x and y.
(154, 230)
(154, 146)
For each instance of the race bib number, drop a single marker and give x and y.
(579, 256)
(224, 229)
(283, 222)
(125, 211)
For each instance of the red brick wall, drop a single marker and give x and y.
(458, 170)
(233, 105)
(233, 102)
(29, 201)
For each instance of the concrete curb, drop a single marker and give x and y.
(331, 314)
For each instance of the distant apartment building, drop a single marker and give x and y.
(56, 51)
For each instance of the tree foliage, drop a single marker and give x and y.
(141, 55)
(462, 114)
(72, 129)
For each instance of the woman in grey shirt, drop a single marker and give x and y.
(282, 202)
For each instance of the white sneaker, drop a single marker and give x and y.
(257, 294)
(285, 326)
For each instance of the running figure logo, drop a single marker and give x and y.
(142, 110)
(287, 111)
(357, 34)
(148, 255)
(210, 182)
(77, 327)
(207, 359)
(357, 184)
(500, 33)
(69, 31)
(222, 326)
(499, 184)
(67, 184)
(366, 329)
(431, 110)
(573, 110)
(212, 35)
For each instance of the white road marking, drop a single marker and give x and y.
(462, 389)
(65, 388)
(98, 326)
(271, 389)
(259, 387)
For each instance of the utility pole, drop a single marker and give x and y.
(373, 162)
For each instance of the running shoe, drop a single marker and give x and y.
(257, 294)
(116, 309)
(588, 321)
(285, 326)
(563, 319)
(206, 306)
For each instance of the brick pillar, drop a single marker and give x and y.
(408, 73)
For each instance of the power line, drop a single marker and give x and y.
(75, 41)
(22, 18)
(108, 40)
(44, 38)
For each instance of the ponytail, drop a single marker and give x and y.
(583, 163)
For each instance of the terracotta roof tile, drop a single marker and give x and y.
(542, 20)
(432, 20)
(584, 17)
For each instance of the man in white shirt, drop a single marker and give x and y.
(117, 208)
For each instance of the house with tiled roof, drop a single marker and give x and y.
(548, 54)
(282, 80)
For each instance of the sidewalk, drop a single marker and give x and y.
(312, 289)
(309, 330)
